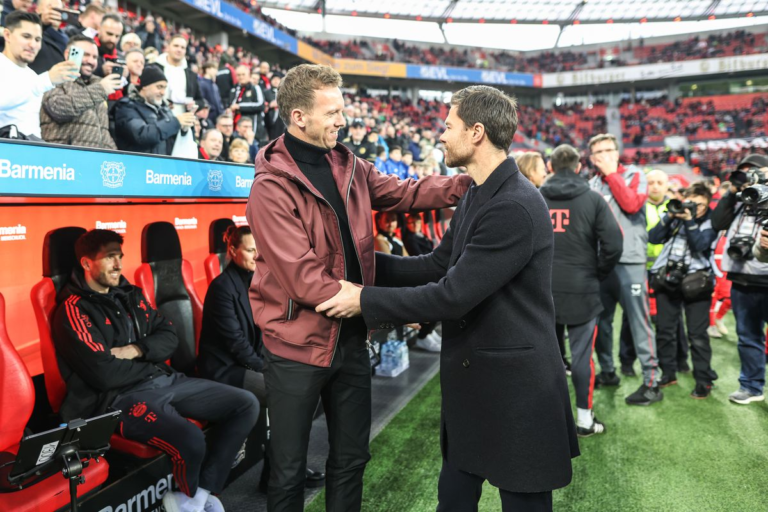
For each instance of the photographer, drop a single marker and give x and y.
(682, 278)
(749, 295)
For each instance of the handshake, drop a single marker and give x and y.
(345, 304)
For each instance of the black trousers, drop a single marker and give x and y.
(669, 308)
(155, 413)
(293, 390)
(459, 491)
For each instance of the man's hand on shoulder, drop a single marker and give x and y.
(344, 304)
(127, 352)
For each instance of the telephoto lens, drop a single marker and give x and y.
(755, 194)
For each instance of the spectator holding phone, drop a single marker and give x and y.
(54, 39)
(110, 30)
(21, 89)
(10, 6)
(144, 122)
(75, 113)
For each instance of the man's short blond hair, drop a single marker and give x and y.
(601, 137)
(297, 89)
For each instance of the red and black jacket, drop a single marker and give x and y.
(87, 325)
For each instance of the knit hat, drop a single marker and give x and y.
(151, 75)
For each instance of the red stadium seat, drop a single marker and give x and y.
(58, 261)
(168, 284)
(17, 394)
(217, 259)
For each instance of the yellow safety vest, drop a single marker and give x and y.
(652, 217)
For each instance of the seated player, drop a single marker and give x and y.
(111, 346)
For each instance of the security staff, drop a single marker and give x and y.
(358, 143)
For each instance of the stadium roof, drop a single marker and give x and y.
(560, 12)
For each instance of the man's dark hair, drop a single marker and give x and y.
(565, 158)
(381, 150)
(78, 38)
(395, 148)
(209, 65)
(490, 107)
(700, 189)
(15, 19)
(407, 153)
(89, 244)
(113, 17)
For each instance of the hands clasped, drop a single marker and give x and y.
(344, 304)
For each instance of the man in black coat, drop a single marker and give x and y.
(506, 414)
(588, 244)
(143, 122)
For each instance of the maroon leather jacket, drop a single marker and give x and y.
(298, 237)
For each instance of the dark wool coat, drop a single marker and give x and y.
(230, 343)
(506, 414)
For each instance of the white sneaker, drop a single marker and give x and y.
(721, 327)
(177, 502)
(436, 338)
(714, 332)
(213, 504)
(427, 344)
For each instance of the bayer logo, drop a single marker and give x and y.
(215, 180)
(112, 174)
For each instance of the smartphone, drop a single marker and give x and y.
(76, 56)
(117, 70)
(67, 14)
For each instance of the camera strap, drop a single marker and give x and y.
(750, 229)
(679, 248)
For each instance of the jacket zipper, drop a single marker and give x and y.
(290, 310)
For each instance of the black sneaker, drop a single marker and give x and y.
(597, 427)
(683, 367)
(701, 391)
(607, 379)
(669, 379)
(645, 396)
(628, 371)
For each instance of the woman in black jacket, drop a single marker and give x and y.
(230, 341)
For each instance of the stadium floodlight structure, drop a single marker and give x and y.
(556, 12)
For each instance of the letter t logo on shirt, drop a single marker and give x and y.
(560, 219)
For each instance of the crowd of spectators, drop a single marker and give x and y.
(651, 121)
(738, 42)
(181, 83)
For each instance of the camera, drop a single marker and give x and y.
(740, 248)
(677, 206)
(675, 272)
(756, 196)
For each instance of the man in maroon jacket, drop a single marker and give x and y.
(310, 212)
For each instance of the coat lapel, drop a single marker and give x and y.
(467, 213)
(242, 296)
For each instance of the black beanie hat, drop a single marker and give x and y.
(151, 74)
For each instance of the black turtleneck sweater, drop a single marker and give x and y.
(315, 165)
